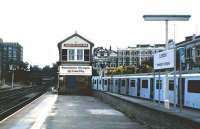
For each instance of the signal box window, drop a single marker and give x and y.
(64, 54)
(86, 55)
(71, 54)
(80, 54)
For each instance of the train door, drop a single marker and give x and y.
(97, 84)
(138, 87)
(182, 90)
(119, 83)
(108, 85)
(102, 87)
(112, 85)
(151, 89)
(127, 86)
(100, 84)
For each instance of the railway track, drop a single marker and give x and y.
(12, 100)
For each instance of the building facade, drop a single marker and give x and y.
(11, 53)
(136, 55)
(191, 47)
(104, 58)
(75, 65)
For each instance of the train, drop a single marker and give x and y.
(154, 87)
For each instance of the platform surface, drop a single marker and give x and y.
(52, 111)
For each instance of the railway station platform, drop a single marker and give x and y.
(51, 111)
(151, 112)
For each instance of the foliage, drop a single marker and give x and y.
(122, 70)
(94, 72)
(145, 67)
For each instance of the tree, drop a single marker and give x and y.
(146, 67)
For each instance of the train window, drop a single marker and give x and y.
(157, 84)
(144, 83)
(132, 83)
(171, 84)
(115, 82)
(193, 86)
(111, 82)
(105, 82)
(95, 81)
(123, 82)
(99, 81)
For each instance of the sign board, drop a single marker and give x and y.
(164, 59)
(75, 70)
(76, 45)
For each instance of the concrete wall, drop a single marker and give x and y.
(153, 118)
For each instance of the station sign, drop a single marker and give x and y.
(75, 70)
(164, 59)
(76, 45)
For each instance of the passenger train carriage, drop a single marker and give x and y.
(149, 87)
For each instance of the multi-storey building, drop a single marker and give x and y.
(103, 58)
(191, 46)
(75, 60)
(136, 55)
(11, 53)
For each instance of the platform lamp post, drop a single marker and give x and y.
(12, 68)
(166, 19)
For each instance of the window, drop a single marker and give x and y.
(71, 54)
(80, 54)
(64, 54)
(105, 82)
(193, 86)
(100, 82)
(132, 83)
(157, 84)
(198, 51)
(123, 82)
(111, 82)
(86, 55)
(189, 52)
(144, 83)
(171, 84)
(116, 82)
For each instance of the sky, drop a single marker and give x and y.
(38, 25)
